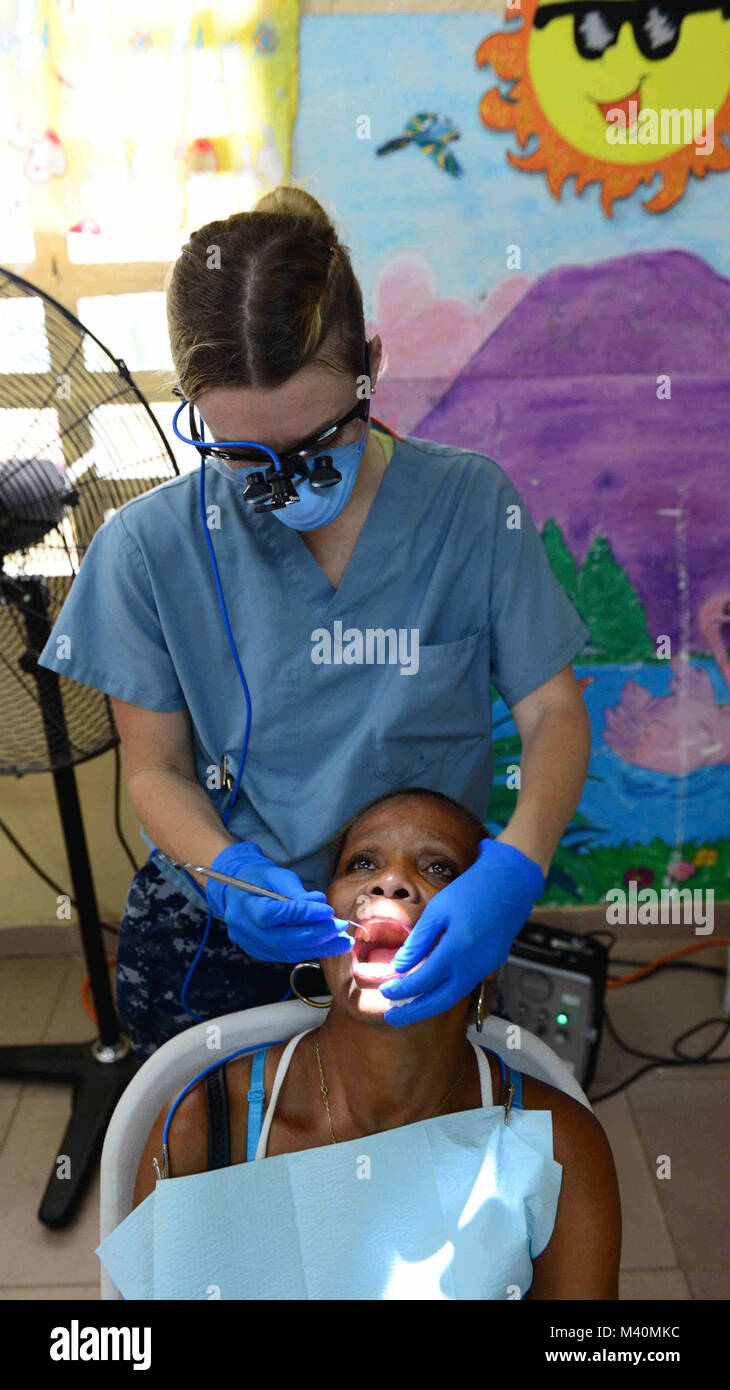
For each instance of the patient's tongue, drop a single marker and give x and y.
(381, 955)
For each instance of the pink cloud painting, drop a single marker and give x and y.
(427, 339)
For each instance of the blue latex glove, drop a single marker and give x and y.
(303, 929)
(480, 914)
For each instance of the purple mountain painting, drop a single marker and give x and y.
(605, 397)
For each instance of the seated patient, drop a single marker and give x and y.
(389, 861)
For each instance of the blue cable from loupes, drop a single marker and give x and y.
(253, 1046)
(234, 794)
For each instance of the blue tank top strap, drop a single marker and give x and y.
(256, 1095)
(515, 1078)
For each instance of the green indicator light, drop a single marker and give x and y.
(562, 1019)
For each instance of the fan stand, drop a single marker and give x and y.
(99, 1070)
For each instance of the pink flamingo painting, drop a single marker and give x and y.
(687, 729)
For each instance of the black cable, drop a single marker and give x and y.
(61, 892)
(704, 1056)
(686, 1059)
(702, 1059)
(24, 855)
(680, 1059)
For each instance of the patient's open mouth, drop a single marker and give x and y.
(377, 940)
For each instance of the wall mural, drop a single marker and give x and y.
(549, 323)
(616, 93)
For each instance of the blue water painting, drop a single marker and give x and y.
(633, 804)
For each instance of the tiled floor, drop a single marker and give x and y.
(675, 1229)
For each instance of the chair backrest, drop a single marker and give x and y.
(173, 1065)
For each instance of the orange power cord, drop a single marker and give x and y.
(651, 965)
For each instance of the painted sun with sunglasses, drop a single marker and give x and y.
(579, 67)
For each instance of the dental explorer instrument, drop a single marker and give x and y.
(241, 883)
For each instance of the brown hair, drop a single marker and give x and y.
(337, 844)
(250, 300)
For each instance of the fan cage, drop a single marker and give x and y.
(72, 418)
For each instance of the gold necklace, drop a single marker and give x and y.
(325, 1091)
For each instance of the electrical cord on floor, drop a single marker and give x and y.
(61, 892)
(680, 1059)
(703, 1059)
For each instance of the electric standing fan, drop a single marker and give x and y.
(77, 439)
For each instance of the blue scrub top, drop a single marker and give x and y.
(439, 555)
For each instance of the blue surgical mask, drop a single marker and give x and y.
(319, 506)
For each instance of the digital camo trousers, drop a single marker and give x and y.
(159, 936)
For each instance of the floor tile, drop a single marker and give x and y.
(687, 1118)
(30, 1253)
(29, 991)
(665, 1285)
(646, 1241)
(709, 1284)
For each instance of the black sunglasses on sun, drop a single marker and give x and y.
(656, 23)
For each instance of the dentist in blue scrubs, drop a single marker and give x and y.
(273, 671)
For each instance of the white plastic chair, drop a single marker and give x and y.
(173, 1065)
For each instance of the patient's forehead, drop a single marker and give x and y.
(412, 822)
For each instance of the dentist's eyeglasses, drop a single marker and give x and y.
(656, 23)
(269, 490)
(243, 451)
(274, 488)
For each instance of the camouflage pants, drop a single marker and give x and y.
(159, 936)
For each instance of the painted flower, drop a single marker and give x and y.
(705, 856)
(266, 39)
(642, 876)
(680, 869)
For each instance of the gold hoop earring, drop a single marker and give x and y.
(313, 1003)
(480, 1008)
